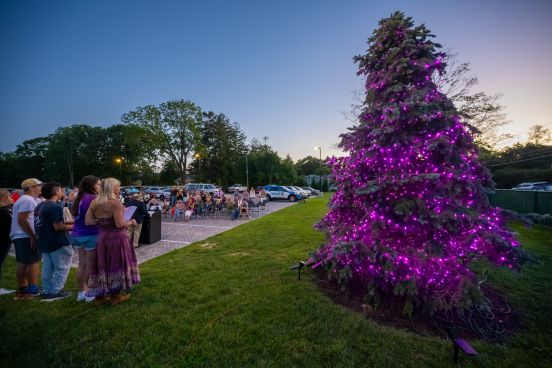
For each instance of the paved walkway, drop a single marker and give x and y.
(175, 235)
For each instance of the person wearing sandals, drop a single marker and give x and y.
(84, 237)
(115, 269)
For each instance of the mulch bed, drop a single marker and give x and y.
(390, 313)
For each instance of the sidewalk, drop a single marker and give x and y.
(175, 235)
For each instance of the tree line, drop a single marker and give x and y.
(176, 139)
(522, 162)
(166, 144)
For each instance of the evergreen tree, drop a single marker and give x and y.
(411, 212)
(222, 147)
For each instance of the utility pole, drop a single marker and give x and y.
(246, 172)
(320, 167)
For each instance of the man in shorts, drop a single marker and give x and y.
(27, 254)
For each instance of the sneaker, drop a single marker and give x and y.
(81, 297)
(51, 297)
(6, 291)
(33, 290)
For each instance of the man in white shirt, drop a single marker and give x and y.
(24, 239)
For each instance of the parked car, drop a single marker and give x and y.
(156, 191)
(130, 190)
(304, 193)
(313, 192)
(280, 192)
(538, 185)
(203, 188)
(237, 187)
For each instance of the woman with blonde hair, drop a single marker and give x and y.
(115, 269)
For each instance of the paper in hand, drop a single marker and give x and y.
(129, 211)
(67, 217)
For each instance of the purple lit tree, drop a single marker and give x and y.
(411, 211)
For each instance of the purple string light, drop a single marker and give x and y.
(411, 207)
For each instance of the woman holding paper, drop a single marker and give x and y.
(115, 269)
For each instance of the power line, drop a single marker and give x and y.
(513, 162)
(524, 154)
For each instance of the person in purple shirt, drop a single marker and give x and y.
(84, 237)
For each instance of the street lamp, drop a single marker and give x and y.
(246, 172)
(320, 168)
(119, 160)
(197, 156)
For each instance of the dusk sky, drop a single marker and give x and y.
(281, 69)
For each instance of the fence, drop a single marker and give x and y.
(524, 202)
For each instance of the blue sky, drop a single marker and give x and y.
(281, 69)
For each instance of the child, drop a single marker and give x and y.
(188, 214)
(53, 241)
(244, 207)
(233, 209)
(165, 208)
(179, 210)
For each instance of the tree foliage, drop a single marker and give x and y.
(411, 211)
(156, 145)
(539, 135)
(222, 146)
(173, 130)
(483, 112)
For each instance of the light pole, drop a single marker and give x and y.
(320, 167)
(197, 156)
(246, 173)
(119, 160)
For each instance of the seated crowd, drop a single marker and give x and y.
(184, 206)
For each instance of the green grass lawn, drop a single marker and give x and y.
(231, 301)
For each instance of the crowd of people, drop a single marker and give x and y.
(45, 224)
(182, 205)
(48, 223)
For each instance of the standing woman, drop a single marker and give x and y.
(5, 224)
(85, 237)
(116, 268)
(174, 193)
